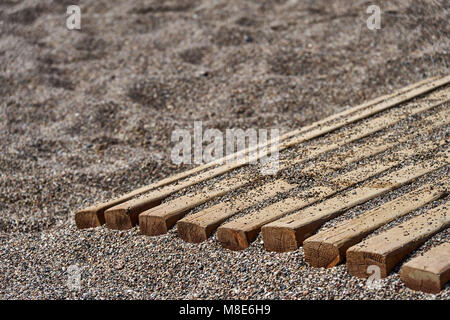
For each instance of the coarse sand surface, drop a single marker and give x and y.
(88, 115)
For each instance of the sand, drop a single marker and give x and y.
(88, 115)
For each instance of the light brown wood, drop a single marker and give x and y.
(159, 219)
(169, 210)
(94, 216)
(239, 233)
(328, 248)
(428, 272)
(288, 233)
(116, 217)
(376, 145)
(389, 248)
(373, 125)
(134, 207)
(197, 227)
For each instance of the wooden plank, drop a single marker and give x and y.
(389, 248)
(375, 145)
(429, 272)
(288, 233)
(328, 248)
(158, 220)
(126, 214)
(372, 125)
(197, 227)
(93, 216)
(238, 234)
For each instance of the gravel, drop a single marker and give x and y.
(88, 115)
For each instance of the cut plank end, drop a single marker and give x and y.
(88, 218)
(232, 239)
(421, 280)
(279, 239)
(191, 232)
(126, 215)
(359, 261)
(428, 272)
(120, 219)
(321, 254)
(153, 225)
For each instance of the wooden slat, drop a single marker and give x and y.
(126, 214)
(158, 220)
(94, 216)
(198, 227)
(328, 248)
(389, 248)
(366, 113)
(371, 126)
(288, 233)
(428, 272)
(375, 145)
(238, 234)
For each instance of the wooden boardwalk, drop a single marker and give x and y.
(327, 169)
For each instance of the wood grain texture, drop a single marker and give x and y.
(239, 233)
(389, 248)
(428, 272)
(197, 227)
(158, 220)
(116, 216)
(288, 233)
(94, 216)
(328, 248)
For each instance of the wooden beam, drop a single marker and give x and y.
(389, 248)
(288, 233)
(116, 217)
(238, 234)
(198, 227)
(428, 272)
(94, 216)
(168, 210)
(158, 220)
(328, 248)
(376, 145)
